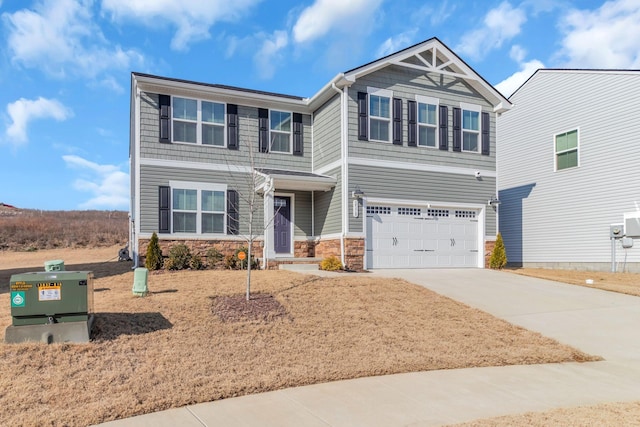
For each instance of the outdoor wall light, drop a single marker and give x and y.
(357, 193)
(493, 201)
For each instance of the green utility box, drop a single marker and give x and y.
(51, 306)
(140, 282)
(54, 265)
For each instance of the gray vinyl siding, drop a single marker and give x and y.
(153, 176)
(326, 133)
(405, 84)
(302, 214)
(562, 218)
(248, 151)
(424, 187)
(328, 214)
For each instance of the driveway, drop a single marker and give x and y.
(597, 322)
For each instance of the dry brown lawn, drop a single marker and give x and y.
(604, 415)
(626, 283)
(177, 346)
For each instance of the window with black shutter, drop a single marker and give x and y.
(486, 149)
(298, 140)
(232, 212)
(397, 121)
(444, 127)
(232, 127)
(412, 127)
(457, 129)
(263, 130)
(164, 102)
(164, 209)
(363, 123)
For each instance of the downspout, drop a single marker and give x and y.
(343, 154)
(134, 167)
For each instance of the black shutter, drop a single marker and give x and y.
(444, 127)
(397, 121)
(164, 205)
(486, 150)
(263, 130)
(363, 124)
(412, 128)
(165, 118)
(232, 126)
(297, 134)
(457, 129)
(232, 212)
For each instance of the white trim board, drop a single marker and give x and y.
(420, 167)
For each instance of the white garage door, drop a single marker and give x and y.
(418, 237)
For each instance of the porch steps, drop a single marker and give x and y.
(298, 264)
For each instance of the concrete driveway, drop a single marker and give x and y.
(597, 322)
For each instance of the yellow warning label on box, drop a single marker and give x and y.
(49, 291)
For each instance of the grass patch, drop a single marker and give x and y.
(174, 347)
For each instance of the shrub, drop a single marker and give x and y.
(331, 263)
(179, 257)
(196, 262)
(232, 262)
(499, 255)
(214, 257)
(153, 260)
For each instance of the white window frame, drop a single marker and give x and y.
(382, 93)
(555, 152)
(280, 132)
(428, 101)
(199, 122)
(199, 187)
(477, 109)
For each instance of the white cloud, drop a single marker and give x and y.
(59, 37)
(608, 37)
(396, 43)
(269, 55)
(499, 25)
(514, 81)
(323, 15)
(192, 18)
(108, 185)
(22, 111)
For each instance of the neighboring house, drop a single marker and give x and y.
(568, 160)
(389, 165)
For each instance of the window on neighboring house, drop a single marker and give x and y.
(379, 115)
(566, 149)
(198, 122)
(198, 208)
(280, 134)
(470, 128)
(427, 121)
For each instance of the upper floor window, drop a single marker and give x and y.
(566, 150)
(280, 131)
(198, 122)
(470, 127)
(379, 114)
(427, 121)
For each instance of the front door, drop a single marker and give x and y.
(282, 224)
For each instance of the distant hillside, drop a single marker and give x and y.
(30, 229)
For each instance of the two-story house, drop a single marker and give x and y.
(567, 156)
(389, 165)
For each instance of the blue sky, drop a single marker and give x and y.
(65, 65)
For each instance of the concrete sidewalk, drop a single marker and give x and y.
(597, 322)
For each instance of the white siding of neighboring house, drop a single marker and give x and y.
(561, 219)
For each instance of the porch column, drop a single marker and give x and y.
(269, 252)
